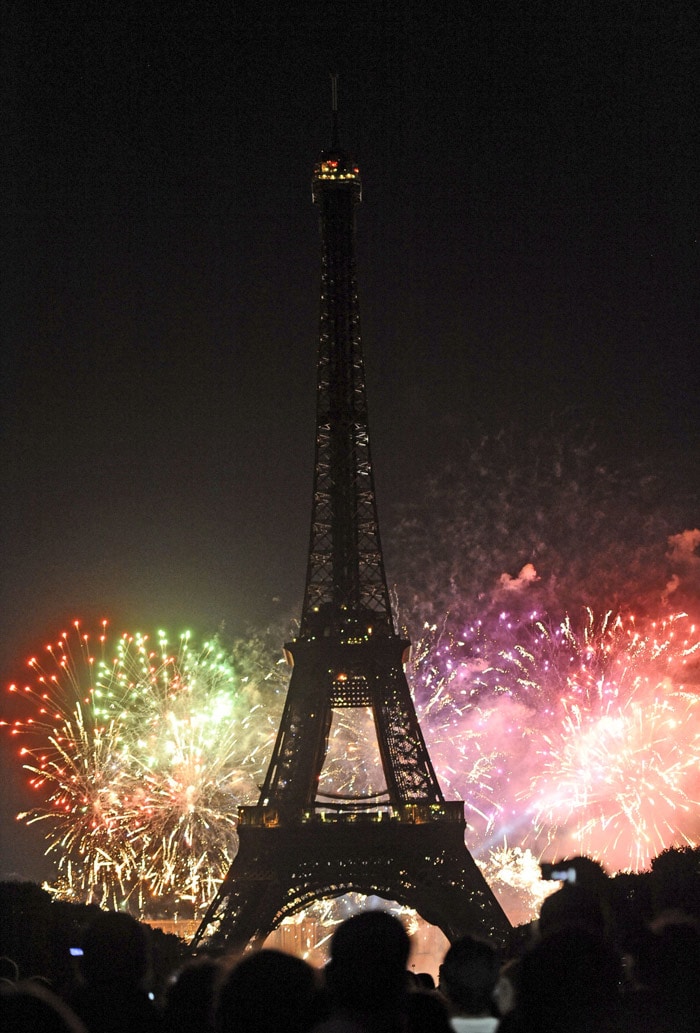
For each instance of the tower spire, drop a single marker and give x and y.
(335, 136)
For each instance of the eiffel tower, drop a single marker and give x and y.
(405, 843)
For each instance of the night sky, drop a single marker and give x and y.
(527, 247)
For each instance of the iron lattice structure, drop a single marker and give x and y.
(405, 843)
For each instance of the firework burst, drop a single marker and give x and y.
(574, 740)
(143, 759)
(444, 673)
(619, 773)
(515, 876)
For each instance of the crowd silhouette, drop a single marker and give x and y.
(601, 958)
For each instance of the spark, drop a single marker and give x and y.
(142, 756)
(619, 773)
(514, 875)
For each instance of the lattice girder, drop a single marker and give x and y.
(365, 671)
(345, 573)
(279, 871)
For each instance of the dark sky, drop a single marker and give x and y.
(528, 245)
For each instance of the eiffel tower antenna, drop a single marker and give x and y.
(334, 109)
(403, 842)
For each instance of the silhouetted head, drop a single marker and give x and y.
(9, 970)
(572, 906)
(31, 1007)
(675, 884)
(669, 967)
(568, 981)
(426, 1012)
(190, 996)
(468, 976)
(115, 950)
(267, 992)
(367, 970)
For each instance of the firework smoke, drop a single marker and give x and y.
(548, 520)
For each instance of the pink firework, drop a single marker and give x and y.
(618, 776)
(568, 739)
